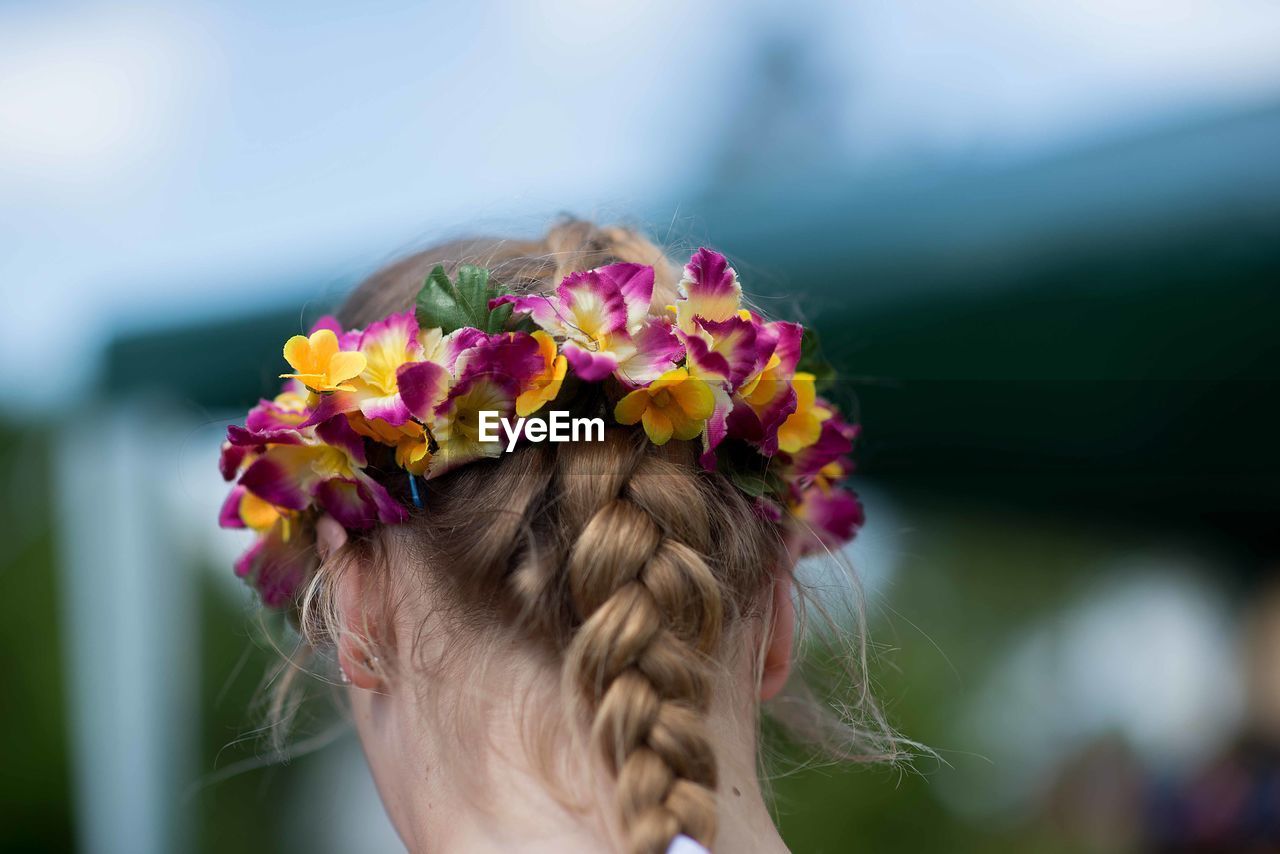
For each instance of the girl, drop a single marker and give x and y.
(564, 647)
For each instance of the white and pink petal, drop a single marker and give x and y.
(635, 283)
(655, 349)
(591, 306)
(709, 289)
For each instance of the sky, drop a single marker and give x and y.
(162, 161)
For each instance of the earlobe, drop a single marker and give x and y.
(358, 668)
(781, 639)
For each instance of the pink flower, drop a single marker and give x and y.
(709, 290)
(831, 516)
(387, 346)
(602, 316)
(279, 563)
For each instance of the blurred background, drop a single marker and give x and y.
(1042, 241)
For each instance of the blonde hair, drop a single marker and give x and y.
(624, 562)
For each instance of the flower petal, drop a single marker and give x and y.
(725, 349)
(390, 408)
(657, 350)
(799, 431)
(329, 405)
(635, 283)
(329, 322)
(297, 352)
(591, 306)
(682, 426)
(278, 564)
(515, 355)
(287, 412)
(423, 387)
(229, 515)
(631, 407)
(230, 460)
(543, 389)
(280, 567)
(540, 308)
(457, 420)
(282, 475)
(237, 435)
(249, 559)
(390, 511)
(338, 433)
(657, 425)
(388, 343)
(710, 289)
(256, 513)
(695, 398)
(835, 440)
(717, 426)
(590, 366)
(343, 500)
(787, 337)
(344, 366)
(833, 516)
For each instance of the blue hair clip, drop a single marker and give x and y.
(413, 490)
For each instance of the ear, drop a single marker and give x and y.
(330, 536)
(358, 664)
(781, 639)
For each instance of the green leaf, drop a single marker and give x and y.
(752, 484)
(750, 472)
(812, 361)
(498, 318)
(452, 305)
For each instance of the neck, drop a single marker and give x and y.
(462, 773)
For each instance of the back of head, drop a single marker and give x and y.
(623, 558)
(628, 567)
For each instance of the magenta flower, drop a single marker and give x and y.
(724, 350)
(768, 397)
(395, 394)
(278, 564)
(387, 345)
(290, 476)
(726, 346)
(831, 514)
(602, 317)
(709, 290)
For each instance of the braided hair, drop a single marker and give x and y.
(625, 561)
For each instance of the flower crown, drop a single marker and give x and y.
(402, 402)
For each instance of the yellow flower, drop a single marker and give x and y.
(760, 389)
(803, 427)
(413, 451)
(319, 364)
(674, 404)
(546, 385)
(258, 514)
(410, 439)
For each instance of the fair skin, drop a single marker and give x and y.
(450, 750)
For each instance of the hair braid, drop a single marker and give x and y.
(627, 562)
(651, 613)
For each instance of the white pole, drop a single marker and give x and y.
(129, 630)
